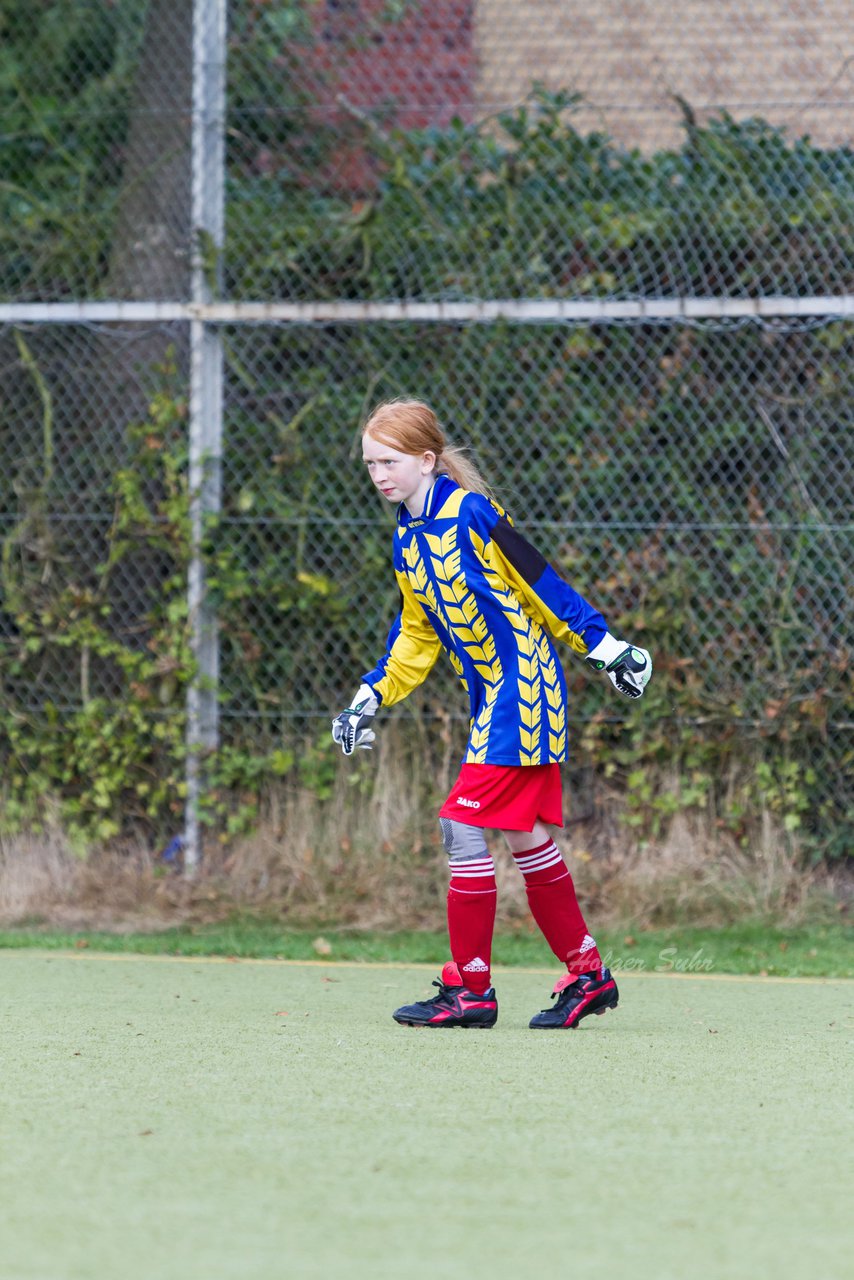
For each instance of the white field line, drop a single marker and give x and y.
(386, 965)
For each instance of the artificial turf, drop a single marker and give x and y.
(176, 1118)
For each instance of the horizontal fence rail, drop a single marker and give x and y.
(520, 311)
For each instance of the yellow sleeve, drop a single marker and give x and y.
(413, 648)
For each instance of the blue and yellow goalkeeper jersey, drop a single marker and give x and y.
(472, 585)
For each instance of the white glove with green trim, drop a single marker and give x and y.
(352, 728)
(628, 668)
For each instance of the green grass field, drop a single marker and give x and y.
(172, 1118)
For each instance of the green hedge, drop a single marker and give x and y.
(529, 207)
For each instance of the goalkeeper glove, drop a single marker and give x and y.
(353, 727)
(627, 667)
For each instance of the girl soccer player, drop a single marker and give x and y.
(472, 585)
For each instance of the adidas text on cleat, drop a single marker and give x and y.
(575, 998)
(454, 1006)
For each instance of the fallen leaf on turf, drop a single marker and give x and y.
(282, 1013)
(146, 1132)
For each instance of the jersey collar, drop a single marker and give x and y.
(437, 494)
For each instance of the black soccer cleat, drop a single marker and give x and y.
(454, 1006)
(576, 998)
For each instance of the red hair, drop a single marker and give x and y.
(412, 427)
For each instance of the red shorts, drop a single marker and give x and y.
(506, 797)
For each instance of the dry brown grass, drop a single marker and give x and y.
(369, 856)
(35, 870)
(693, 875)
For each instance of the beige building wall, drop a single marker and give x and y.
(790, 61)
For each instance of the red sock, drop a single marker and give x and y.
(472, 897)
(554, 906)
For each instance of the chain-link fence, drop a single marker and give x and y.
(725, 548)
(691, 475)
(458, 149)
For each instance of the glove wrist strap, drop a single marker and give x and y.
(365, 701)
(607, 651)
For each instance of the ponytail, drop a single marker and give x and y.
(454, 462)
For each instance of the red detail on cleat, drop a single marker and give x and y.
(566, 981)
(462, 1006)
(578, 1010)
(451, 976)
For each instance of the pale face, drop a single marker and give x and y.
(400, 477)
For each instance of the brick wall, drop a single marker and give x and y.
(423, 61)
(790, 61)
(411, 69)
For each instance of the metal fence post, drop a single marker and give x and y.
(206, 373)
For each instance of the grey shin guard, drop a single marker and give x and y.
(462, 842)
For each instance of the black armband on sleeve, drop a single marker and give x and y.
(525, 558)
